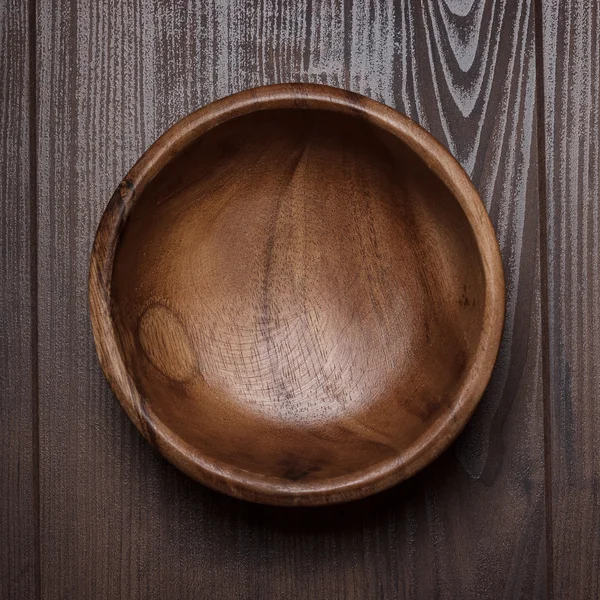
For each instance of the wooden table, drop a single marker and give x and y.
(512, 510)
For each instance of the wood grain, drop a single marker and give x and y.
(116, 521)
(18, 524)
(571, 78)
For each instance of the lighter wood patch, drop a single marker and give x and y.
(165, 343)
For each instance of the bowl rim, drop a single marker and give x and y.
(217, 474)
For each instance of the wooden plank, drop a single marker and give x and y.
(467, 72)
(18, 523)
(117, 521)
(571, 78)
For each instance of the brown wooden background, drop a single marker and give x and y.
(512, 510)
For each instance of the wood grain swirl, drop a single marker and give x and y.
(18, 522)
(571, 47)
(119, 522)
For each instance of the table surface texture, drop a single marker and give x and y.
(511, 510)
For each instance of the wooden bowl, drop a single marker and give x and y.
(297, 295)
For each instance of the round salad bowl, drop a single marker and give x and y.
(297, 295)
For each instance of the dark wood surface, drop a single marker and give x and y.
(18, 468)
(571, 41)
(510, 511)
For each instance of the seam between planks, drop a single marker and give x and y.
(544, 308)
(33, 278)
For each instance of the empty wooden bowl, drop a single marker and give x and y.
(297, 295)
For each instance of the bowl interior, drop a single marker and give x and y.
(298, 295)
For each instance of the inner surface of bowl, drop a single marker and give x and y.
(298, 295)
